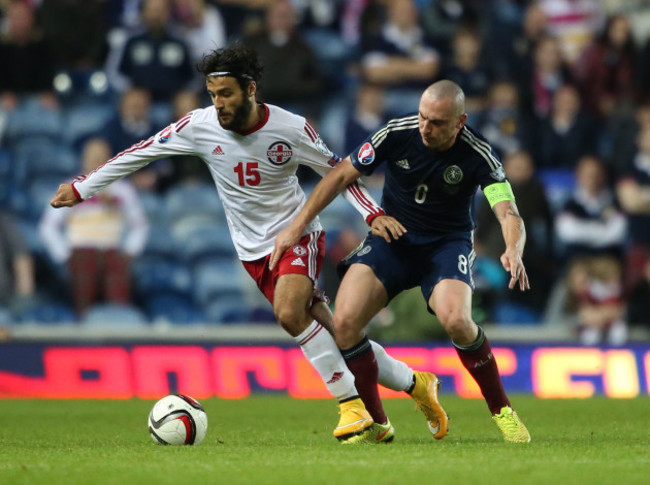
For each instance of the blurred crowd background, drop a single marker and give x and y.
(561, 88)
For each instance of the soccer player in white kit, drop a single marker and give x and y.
(253, 151)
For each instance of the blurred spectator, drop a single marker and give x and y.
(606, 69)
(503, 122)
(186, 167)
(591, 222)
(78, 30)
(286, 56)
(321, 14)
(26, 58)
(637, 12)
(441, 19)
(567, 134)
(201, 25)
(624, 133)
(513, 28)
(547, 74)
(155, 59)
(644, 71)
(133, 121)
(16, 264)
(535, 211)
(401, 58)
(600, 303)
(573, 22)
(638, 308)
(366, 117)
(468, 69)
(633, 190)
(97, 239)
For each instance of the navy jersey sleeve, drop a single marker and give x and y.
(490, 168)
(380, 145)
(366, 158)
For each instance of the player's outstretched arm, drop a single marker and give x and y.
(514, 235)
(325, 191)
(64, 197)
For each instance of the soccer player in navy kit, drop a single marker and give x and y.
(434, 165)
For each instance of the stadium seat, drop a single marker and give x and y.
(113, 314)
(217, 278)
(153, 275)
(160, 243)
(205, 242)
(173, 308)
(85, 120)
(559, 184)
(6, 169)
(154, 207)
(193, 200)
(227, 309)
(31, 119)
(40, 157)
(17, 200)
(46, 312)
(29, 231)
(40, 192)
(5, 316)
(507, 313)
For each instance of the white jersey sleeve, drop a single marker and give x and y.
(137, 156)
(312, 150)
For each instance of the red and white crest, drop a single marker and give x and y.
(299, 251)
(279, 153)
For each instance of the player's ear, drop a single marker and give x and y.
(252, 88)
(462, 120)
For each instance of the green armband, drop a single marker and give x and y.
(497, 192)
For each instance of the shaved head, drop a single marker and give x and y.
(441, 114)
(447, 90)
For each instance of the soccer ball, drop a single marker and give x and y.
(178, 420)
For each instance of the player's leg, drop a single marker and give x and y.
(360, 297)
(451, 300)
(293, 297)
(393, 374)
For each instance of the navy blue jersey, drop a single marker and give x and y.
(430, 193)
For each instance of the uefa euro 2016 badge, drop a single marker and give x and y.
(453, 174)
(366, 154)
(165, 134)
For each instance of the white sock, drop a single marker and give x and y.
(319, 347)
(393, 374)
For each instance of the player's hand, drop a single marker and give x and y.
(387, 227)
(285, 240)
(64, 197)
(512, 263)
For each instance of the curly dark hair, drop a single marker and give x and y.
(238, 59)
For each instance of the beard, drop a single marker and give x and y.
(239, 117)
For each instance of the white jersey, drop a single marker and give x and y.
(255, 172)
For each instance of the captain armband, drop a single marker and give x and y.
(498, 192)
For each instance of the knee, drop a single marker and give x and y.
(346, 329)
(292, 320)
(458, 325)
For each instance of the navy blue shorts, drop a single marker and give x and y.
(409, 262)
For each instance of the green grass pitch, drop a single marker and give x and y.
(277, 440)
